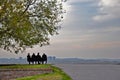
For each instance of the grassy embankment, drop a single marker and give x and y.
(57, 73)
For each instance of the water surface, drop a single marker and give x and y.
(92, 71)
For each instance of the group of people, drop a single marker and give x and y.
(37, 59)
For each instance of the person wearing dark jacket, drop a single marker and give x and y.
(39, 59)
(33, 58)
(44, 58)
(29, 58)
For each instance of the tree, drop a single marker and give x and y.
(25, 23)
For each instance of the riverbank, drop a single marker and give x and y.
(32, 72)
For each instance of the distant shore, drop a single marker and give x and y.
(62, 60)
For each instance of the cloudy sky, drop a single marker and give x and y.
(90, 29)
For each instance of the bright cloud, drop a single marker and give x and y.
(109, 9)
(110, 3)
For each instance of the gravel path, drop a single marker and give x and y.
(91, 71)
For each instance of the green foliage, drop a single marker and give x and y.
(25, 23)
(62, 73)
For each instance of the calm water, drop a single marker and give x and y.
(92, 71)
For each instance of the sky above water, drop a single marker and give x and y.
(90, 29)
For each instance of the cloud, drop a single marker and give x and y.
(81, 0)
(105, 45)
(106, 29)
(108, 9)
(109, 3)
(112, 29)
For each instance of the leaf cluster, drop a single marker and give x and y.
(25, 23)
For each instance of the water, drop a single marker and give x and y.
(92, 71)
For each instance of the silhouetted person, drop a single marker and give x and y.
(36, 60)
(44, 58)
(39, 59)
(28, 58)
(33, 58)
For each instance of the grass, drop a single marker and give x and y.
(24, 66)
(57, 73)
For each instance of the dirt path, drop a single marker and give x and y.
(91, 71)
(7, 74)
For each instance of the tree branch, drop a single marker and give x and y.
(29, 3)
